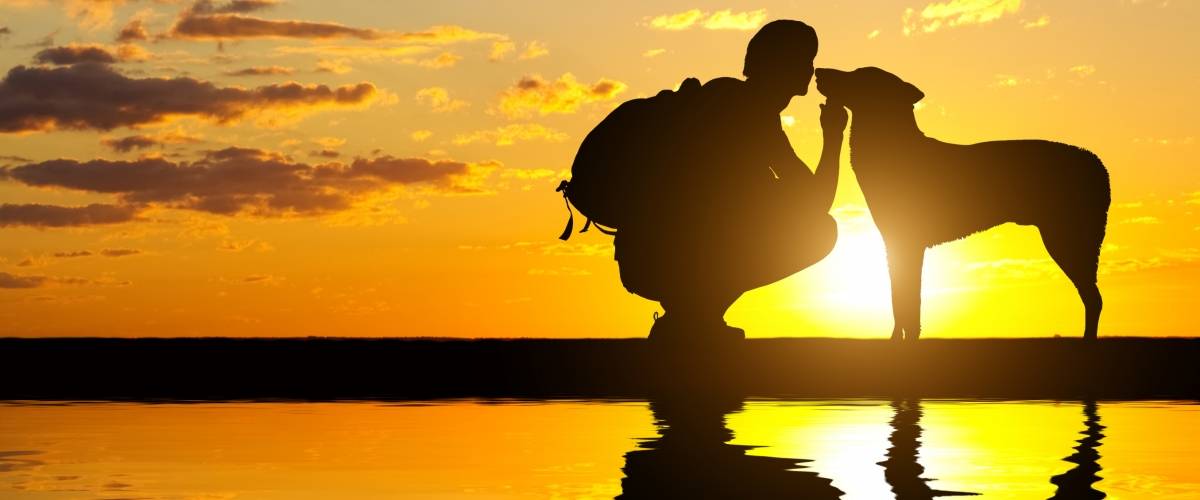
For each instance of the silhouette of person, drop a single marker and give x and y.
(749, 212)
(692, 458)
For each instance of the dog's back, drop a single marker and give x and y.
(937, 192)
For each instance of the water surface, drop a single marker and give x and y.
(856, 449)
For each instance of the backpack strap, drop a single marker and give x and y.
(566, 234)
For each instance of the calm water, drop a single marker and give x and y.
(754, 449)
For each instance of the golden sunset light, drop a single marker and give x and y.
(296, 168)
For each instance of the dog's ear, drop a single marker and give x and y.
(913, 93)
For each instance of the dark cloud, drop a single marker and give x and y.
(134, 31)
(119, 252)
(38, 215)
(72, 54)
(199, 26)
(107, 252)
(206, 20)
(17, 281)
(325, 153)
(249, 181)
(94, 96)
(232, 7)
(261, 71)
(130, 143)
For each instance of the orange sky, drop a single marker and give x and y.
(394, 164)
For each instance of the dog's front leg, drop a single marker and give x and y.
(905, 260)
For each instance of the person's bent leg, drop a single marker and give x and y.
(782, 252)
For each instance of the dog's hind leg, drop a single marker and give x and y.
(905, 260)
(1077, 251)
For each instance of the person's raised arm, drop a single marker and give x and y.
(825, 179)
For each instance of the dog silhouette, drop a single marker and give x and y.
(922, 192)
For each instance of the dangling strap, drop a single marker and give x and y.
(566, 234)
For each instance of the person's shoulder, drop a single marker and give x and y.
(725, 84)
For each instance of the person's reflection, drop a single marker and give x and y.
(692, 458)
(1077, 482)
(901, 469)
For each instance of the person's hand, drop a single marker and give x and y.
(833, 118)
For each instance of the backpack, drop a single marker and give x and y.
(625, 156)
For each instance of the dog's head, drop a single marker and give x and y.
(867, 88)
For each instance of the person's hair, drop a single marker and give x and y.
(776, 42)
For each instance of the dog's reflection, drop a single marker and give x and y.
(901, 469)
(692, 458)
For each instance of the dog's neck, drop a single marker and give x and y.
(874, 127)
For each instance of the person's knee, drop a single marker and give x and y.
(825, 234)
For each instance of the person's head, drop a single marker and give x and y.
(780, 58)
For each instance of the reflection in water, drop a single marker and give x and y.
(1004, 450)
(692, 458)
(1077, 482)
(901, 469)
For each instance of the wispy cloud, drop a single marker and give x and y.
(720, 20)
(534, 94)
(438, 99)
(511, 134)
(954, 13)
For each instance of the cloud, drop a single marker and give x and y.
(1083, 70)
(654, 53)
(133, 31)
(233, 6)
(510, 134)
(68, 255)
(246, 181)
(954, 13)
(17, 281)
(420, 135)
(261, 71)
(741, 21)
(94, 96)
(90, 53)
(139, 141)
(438, 99)
(43, 216)
(335, 66)
(119, 252)
(200, 26)
(443, 60)
(677, 22)
(501, 49)
(720, 20)
(238, 246)
(534, 50)
(228, 22)
(1040, 22)
(565, 95)
(1143, 219)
